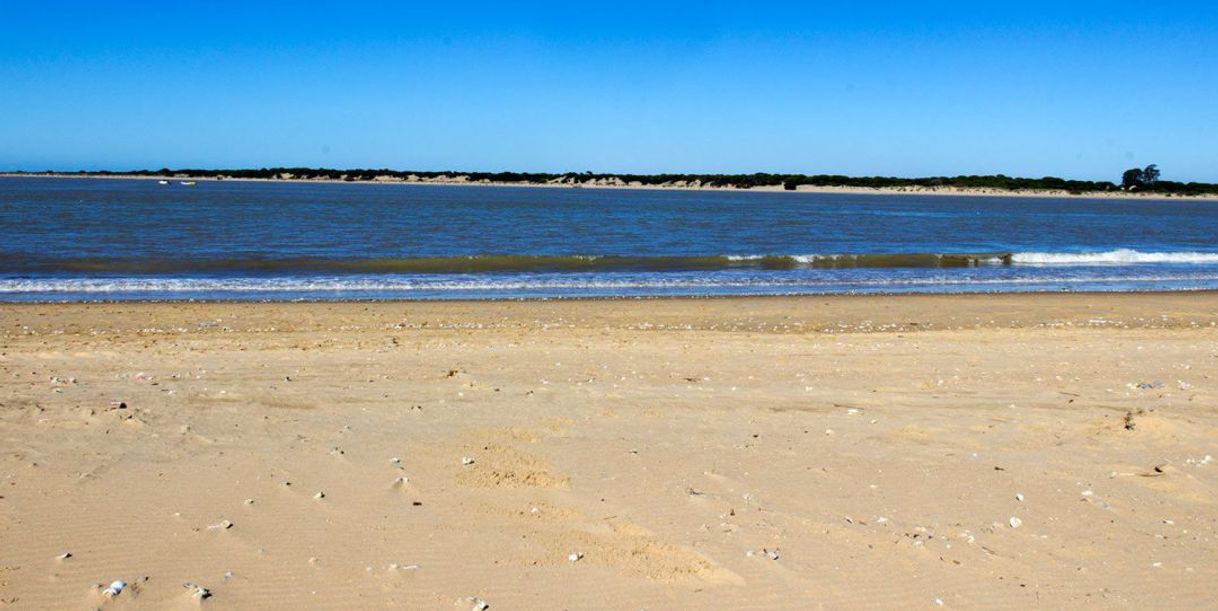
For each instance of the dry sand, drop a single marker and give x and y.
(901, 452)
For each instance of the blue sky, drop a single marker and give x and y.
(1077, 89)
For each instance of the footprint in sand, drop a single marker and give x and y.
(634, 551)
(500, 466)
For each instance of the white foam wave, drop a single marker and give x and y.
(287, 286)
(315, 285)
(805, 259)
(1123, 256)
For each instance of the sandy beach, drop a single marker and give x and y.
(999, 451)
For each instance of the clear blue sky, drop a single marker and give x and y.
(1072, 88)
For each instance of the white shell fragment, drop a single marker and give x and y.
(465, 460)
(575, 556)
(114, 588)
(1015, 522)
(221, 525)
(197, 592)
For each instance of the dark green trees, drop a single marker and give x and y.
(1140, 178)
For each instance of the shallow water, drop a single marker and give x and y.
(91, 239)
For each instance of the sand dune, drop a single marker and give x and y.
(912, 452)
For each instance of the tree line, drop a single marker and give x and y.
(1137, 179)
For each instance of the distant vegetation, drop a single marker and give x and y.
(1137, 179)
(1140, 178)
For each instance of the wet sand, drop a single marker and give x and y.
(846, 452)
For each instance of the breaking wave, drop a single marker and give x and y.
(560, 283)
(480, 264)
(1122, 256)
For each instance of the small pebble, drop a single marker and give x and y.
(1015, 522)
(1019, 497)
(574, 556)
(465, 460)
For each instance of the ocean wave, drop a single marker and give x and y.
(1123, 256)
(492, 264)
(477, 264)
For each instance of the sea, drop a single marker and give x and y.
(83, 239)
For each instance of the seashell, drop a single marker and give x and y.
(197, 592)
(114, 588)
(465, 460)
(1015, 522)
(575, 556)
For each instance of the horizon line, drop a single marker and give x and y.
(566, 173)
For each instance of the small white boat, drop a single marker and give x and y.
(162, 182)
(187, 183)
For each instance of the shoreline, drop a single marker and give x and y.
(455, 181)
(1191, 309)
(617, 298)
